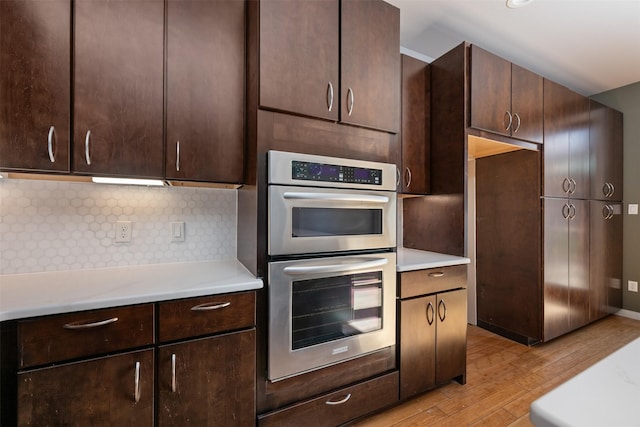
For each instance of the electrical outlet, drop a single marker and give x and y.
(123, 232)
(633, 209)
(632, 286)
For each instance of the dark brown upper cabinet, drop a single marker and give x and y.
(35, 81)
(566, 142)
(415, 133)
(605, 147)
(505, 98)
(118, 88)
(331, 60)
(205, 90)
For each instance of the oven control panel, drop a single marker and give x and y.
(310, 171)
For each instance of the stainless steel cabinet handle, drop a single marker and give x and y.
(178, 156)
(52, 157)
(517, 116)
(608, 189)
(136, 384)
(397, 176)
(350, 101)
(339, 402)
(566, 185)
(87, 139)
(329, 96)
(565, 211)
(613, 189)
(79, 325)
(408, 175)
(433, 313)
(572, 211)
(173, 373)
(508, 114)
(207, 306)
(436, 274)
(572, 185)
(442, 310)
(607, 211)
(334, 268)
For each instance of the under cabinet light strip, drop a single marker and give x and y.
(128, 181)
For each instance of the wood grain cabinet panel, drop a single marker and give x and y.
(118, 88)
(299, 57)
(35, 82)
(205, 90)
(110, 391)
(208, 381)
(416, 128)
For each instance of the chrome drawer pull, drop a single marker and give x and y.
(433, 313)
(339, 402)
(350, 101)
(436, 274)
(87, 140)
(136, 384)
(519, 123)
(210, 306)
(329, 96)
(80, 325)
(442, 314)
(173, 373)
(52, 157)
(508, 114)
(178, 156)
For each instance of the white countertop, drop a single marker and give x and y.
(412, 259)
(36, 294)
(605, 394)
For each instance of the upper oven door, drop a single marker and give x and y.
(304, 220)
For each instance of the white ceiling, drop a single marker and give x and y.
(590, 46)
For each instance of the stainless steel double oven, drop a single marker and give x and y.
(331, 275)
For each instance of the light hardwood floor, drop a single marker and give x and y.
(504, 377)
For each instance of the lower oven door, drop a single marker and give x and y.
(326, 310)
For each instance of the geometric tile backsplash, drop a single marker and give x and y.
(54, 226)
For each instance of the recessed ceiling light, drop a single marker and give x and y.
(518, 3)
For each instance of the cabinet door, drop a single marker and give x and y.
(205, 90)
(417, 345)
(556, 267)
(490, 92)
(451, 343)
(118, 87)
(526, 104)
(299, 57)
(566, 142)
(111, 391)
(605, 141)
(370, 65)
(208, 382)
(578, 263)
(414, 169)
(35, 76)
(605, 237)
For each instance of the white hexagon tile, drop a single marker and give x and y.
(54, 226)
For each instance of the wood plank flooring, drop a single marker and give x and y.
(504, 377)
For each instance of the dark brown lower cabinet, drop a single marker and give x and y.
(432, 329)
(208, 381)
(109, 391)
(337, 407)
(605, 259)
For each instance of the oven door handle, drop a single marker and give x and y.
(294, 270)
(338, 197)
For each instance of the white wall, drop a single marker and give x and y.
(50, 226)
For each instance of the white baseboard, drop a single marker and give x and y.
(628, 313)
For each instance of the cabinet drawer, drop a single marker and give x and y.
(194, 317)
(87, 333)
(432, 280)
(338, 407)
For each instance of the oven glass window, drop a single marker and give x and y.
(314, 222)
(330, 308)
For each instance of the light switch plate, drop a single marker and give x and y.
(632, 285)
(633, 209)
(177, 231)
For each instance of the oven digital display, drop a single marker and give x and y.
(309, 171)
